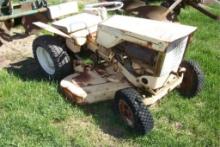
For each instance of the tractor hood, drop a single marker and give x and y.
(143, 29)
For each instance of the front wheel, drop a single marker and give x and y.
(193, 79)
(51, 54)
(133, 112)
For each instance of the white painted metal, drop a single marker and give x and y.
(110, 6)
(57, 11)
(73, 87)
(77, 22)
(143, 29)
(51, 29)
(116, 36)
(45, 60)
(173, 56)
(102, 12)
(153, 81)
(172, 82)
(166, 37)
(70, 43)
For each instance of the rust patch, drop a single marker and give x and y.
(83, 77)
(27, 22)
(73, 98)
(126, 112)
(149, 44)
(92, 37)
(100, 71)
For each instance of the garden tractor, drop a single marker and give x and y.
(134, 61)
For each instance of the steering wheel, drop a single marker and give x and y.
(109, 6)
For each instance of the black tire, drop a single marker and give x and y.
(193, 79)
(57, 51)
(141, 120)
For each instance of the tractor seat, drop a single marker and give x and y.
(77, 22)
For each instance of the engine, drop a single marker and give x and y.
(137, 59)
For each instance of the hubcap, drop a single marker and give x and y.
(126, 113)
(45, 60)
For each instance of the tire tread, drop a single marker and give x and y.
(58, 52)
(143, 118)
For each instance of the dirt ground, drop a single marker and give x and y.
(18, 49)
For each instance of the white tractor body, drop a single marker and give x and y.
(132, 60)
(166, 40)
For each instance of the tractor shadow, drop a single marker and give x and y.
(7, 37)
(27, 70)
(108, 119)
(103, 112)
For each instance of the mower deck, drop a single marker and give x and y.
(92, 85)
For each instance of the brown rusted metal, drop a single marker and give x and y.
(83, 77)
(200, 8)
(197, 4)
(73, 98)
(4, 31)
(152, 12)
(27, 22)
(126, 112)
(92, 37)
(140, 9)
(149, 45)
(187, 82)
(130, 5)
(100, 71)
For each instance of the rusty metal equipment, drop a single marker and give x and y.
(168, 10)
(135, 61)
(13, 12)
(10, 10)
(197, 4)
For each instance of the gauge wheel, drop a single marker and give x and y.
(132, 111)
(193, 79)
(51, 54)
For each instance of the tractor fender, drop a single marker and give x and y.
(51, 29)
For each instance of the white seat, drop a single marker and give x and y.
(57, 11)
(77, 22)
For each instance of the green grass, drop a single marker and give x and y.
(33, 113)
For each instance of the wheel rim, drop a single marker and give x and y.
(45, 60)
(187, 82)
(126, 113)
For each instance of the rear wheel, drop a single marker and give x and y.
(50, 52)
(192, 81)
(133, 112)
